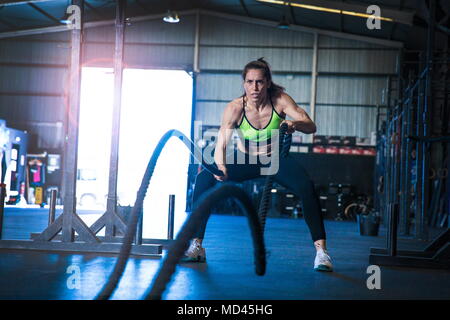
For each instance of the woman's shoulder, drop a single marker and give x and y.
(280, 101)
(236, 105)
(282, 98)
(233, 111)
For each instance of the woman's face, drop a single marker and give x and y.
(255, 85)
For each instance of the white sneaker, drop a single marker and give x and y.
(323, 261)
(195, 252)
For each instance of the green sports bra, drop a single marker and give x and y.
(249, 132)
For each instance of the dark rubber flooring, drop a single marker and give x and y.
(229, 273)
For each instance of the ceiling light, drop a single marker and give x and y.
(317, 8)
(171, 17)
(65, 21)
(283, 24)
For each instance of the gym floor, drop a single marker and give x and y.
(229, 273)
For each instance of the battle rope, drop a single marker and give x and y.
(285, 145)
(206, 202)
(136, 212)
(119, 267)
(181, 243)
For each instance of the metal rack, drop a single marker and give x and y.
(413, 126)
(60, 236)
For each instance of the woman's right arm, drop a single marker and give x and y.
(229, 119)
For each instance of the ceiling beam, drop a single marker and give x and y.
(16, 2)
(404, 16)
(423, 17)
(291, 9)
(94, 10)
(86, 25)
(29, 32)
(6, 23)
(342, 35)
(9, 25)
(245, 8)
(244, 19)
(45, 13)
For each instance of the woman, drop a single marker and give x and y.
(262, 108)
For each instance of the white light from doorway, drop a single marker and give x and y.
(153, 102)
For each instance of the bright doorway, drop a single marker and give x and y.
(153, 102)
(94, 137)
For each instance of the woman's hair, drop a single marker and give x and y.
(261, 64)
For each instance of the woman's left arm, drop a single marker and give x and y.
(300, 119)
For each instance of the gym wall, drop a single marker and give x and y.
(351, 74)
(33, 76)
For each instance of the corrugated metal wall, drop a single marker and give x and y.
(226, 46)
(148, 44)
(33, 76)
(351, 74)
(34, 71)
(352, 77)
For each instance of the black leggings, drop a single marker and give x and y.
(290, 175)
